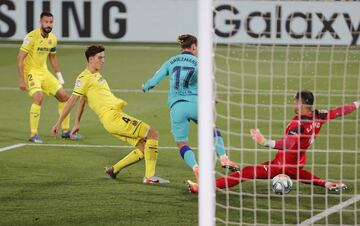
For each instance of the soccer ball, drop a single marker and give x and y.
(281, 184)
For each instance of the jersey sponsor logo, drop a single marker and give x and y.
(43, 49)
(78, 83)
(312, 126)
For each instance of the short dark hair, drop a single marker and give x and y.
(93, 50)
(187, 40)
(45, 13)
(306, 97)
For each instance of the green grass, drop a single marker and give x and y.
(42, 185)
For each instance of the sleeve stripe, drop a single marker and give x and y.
(78, 93)
(24, 50)
(53, 49)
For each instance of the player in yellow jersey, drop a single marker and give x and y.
(34, 75)
(92, 88)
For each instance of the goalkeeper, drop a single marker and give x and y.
(182, 70)
(291, 157)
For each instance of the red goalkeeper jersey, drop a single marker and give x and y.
(301, 132)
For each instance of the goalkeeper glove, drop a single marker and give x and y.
(357, 103)
(259, 138)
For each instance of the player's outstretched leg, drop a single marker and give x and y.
(309, 178)
(220, 151)
(133, 157)
(151, 155)
(261, 171)
(188, 156)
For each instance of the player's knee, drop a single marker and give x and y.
(153, 134)
(141, 145)
(62, 96)
(38, 98)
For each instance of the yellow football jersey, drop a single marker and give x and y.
(38, 48)
(99, 96)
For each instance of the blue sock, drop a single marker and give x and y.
(188, 155)
(219, 143)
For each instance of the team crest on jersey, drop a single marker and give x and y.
(26, 40)
(77, 83)
(32, 84)
(101, 80)
(49, 41)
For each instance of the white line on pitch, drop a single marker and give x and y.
(11, 147)
(113, 90)
(89, 146)
(331, 210)
(79, 46)
(245, 91)
(173, 148)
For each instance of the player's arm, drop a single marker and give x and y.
(157, 77)
(20, 65)
(285, 143)
(68, 107)
(79, 113)
(340, 111)
(55, 65)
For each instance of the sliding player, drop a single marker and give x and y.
(34, 75)
(182, 101)
(291, 157)
(92, 88)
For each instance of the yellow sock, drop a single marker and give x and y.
(133, 157)
(34, 118)
(65, 125)
(151, 153)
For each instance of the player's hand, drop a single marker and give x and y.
(22, 85)
(55, 130)
(357, 103)
(257, 136)
(74, 131)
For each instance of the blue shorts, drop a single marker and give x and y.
(181, 113)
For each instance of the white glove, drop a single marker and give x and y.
(357, 103)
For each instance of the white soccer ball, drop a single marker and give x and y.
(281, 184)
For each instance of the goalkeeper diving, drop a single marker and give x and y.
(290, 159)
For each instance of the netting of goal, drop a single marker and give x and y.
(264, 52)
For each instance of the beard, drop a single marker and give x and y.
(47, 30)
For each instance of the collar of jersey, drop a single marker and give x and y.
(187, 52)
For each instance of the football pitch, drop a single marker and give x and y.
(63, 183)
